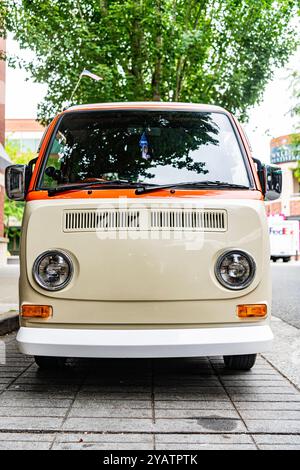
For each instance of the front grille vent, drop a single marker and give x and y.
(90, 220)
(93, 220)
(197, 219)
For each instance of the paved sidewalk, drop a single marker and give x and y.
(8, 298)
(9, 289)
(9, 276)
(145, 404)
(285, 354)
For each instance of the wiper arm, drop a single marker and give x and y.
(141, 187)
(91, 184)
(197, 184)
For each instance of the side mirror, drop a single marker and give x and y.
(53, 173)
(262, 176)
(270, 178)
(16, 182)
(274, 182)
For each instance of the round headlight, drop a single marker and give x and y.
(53, 270)
(235, 269)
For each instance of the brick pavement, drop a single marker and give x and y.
(168, 404)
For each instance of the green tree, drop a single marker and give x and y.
(296, 144)
(15, 208)
(296, 112)
(295, 85)
(208, 51)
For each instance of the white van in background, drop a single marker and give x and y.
(284, 238)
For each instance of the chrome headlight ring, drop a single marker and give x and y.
(235, 269)
(53, 270)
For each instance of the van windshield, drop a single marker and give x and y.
(151, 147)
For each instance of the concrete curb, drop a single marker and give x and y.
(9, 322)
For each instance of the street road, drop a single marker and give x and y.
(286, 292)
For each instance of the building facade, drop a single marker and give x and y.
(285, 152)
(24, 134)
(3, 159)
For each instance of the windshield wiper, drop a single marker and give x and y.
(194, 184)
(91, 184)
(143, 188)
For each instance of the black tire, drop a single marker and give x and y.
(274, 260)
(286, 260)
(50, 362)
(245, 362)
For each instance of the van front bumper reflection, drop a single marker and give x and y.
(142, 343)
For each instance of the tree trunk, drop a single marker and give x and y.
(156, 76)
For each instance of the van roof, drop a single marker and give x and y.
(151, 105)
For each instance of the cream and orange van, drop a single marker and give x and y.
(144, 235)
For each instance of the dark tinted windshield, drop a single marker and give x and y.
(155, 147)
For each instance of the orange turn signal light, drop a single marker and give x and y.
(38, 311)
(251, 310)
